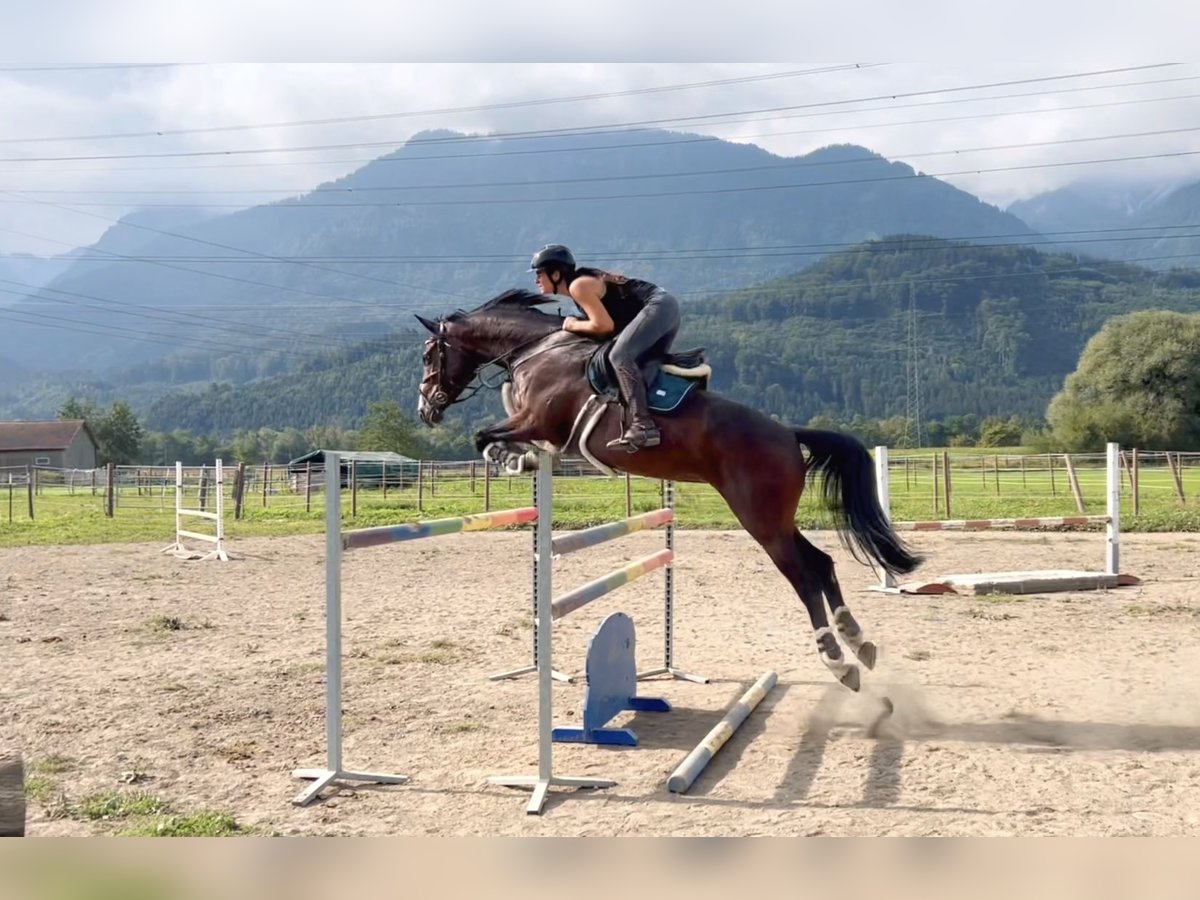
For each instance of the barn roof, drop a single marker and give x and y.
(25, 436)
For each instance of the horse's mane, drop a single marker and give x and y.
(514, 313)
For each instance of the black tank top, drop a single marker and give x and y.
(623, 297)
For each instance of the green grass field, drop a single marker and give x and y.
(976, 492)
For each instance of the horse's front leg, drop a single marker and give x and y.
(502, 442)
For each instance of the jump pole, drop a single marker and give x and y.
(695, 762)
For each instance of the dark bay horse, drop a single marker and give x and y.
(756, 464)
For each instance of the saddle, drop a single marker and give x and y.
(677, 375)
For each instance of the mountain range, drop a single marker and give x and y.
(305, 304)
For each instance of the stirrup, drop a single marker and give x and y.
(637, 437)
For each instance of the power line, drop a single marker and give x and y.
(575, 130)
(616, 130)
(302, 204)
(740, 170)
(451, 110)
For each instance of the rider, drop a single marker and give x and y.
(644, 317)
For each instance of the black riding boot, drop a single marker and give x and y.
(642, 432)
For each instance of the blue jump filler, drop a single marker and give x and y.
(611, 687)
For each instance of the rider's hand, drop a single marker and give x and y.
(570, 321)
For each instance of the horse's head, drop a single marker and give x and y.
(465, 342)
(449, 368)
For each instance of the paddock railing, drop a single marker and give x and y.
(943, 485)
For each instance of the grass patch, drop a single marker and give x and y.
(1001, 598)
(990, 616)
(40, 789)
(918, 655)
(464, 726)
(54, 764)
(166, 623)
(116, 805)
(207, 823)
(305, 668)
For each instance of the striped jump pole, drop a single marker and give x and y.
(390, 534)
(336, 542)
(590, 537)
(599, 534)
(593, 590)
(695, 762)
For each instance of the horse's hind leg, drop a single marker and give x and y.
(822, 563)
(768, 519)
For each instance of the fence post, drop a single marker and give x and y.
(1074, 481)
(308, 486)
(239, 490)
(420, 486)
(628, 496)
(487, 487)
(946, 479)
(10, 500)
(353, 488)
(1176, 467)
(110, 498)
(936, 486)
(202, 492)
(1137, 505)
(266, 480)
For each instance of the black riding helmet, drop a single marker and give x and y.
(552, 257)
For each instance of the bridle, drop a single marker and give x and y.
(440, 399)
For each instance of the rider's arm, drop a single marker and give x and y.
(588, 293)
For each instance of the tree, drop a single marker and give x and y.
(119, 434)
(1137, 383)
(386, 428)
(74, 409)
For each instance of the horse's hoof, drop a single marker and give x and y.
(866, 654)
(850, 678)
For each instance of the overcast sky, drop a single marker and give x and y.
(963, 120)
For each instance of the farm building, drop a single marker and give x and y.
(65, 444)
(401, 471)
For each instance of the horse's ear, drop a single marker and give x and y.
(432, 326)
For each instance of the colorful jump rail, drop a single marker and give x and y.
(598, 534)
(989, 524)
(593, 590)
(391, 534)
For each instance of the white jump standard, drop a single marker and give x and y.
(336, 543)
(1019, 582)
(218, 518)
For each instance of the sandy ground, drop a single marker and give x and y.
(1072, 714)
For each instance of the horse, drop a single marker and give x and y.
(756, 464)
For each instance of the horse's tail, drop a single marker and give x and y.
(848, 491)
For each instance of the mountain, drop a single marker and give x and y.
(22, 274)
(997, 329)
(1154, 226)
(449, 219)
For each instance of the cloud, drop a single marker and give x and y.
(922, 114)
